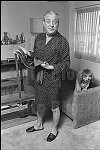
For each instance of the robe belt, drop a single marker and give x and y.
(39, 77)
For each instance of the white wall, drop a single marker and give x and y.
(75, 64)
(15, 15)
(80, 64)
(15, 19)
(85, 3)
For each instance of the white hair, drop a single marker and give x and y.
(51, 13)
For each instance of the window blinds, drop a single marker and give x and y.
(87, 34)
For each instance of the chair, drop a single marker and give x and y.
(84, 107)
(25, 88)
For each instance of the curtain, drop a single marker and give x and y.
(87, 34)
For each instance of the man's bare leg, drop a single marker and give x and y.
(39, 124)
(56, 116)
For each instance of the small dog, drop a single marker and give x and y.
(83, 81)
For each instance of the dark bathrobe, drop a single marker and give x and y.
(56, 53)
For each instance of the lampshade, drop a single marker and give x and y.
(36, 25)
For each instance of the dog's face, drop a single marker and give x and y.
(84, 79)
(87, 77)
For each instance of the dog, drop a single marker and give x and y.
(84, 80)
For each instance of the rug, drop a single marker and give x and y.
(84, 138)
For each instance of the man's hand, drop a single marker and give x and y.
(37, 62)
(47, 66)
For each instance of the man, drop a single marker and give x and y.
(52, 49)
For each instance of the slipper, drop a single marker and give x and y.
(32, 129)
(51, 137)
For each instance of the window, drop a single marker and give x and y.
(87, 34)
